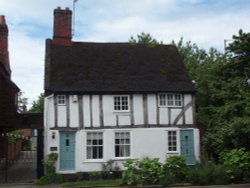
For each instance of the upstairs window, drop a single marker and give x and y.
(61, 99)
(121, 103)
(170, 100)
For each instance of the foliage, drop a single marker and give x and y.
(49, 164)
(95, 175)
(175, 167)
(13, 136)
(131, 175)
(237, 161)
(207, 174)
(151, 171)
(45, 180)
(22, 102)
(38, 105)
(144, 38)
(110, 165)
(223, 108)
(142, 172)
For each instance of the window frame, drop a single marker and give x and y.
(123, 151)
(170, 100)
(172, 141)
(58, 100)
(99, 147)
(120, 103)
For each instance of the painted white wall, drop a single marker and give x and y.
(138, 109)
(189, 112)
(96, 110)
(86, 111)
(152, 109)
(112, 118)
(109, 117)
(145, 142)
(74, 111)
(62, 115)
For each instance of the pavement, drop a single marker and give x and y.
(59, 186)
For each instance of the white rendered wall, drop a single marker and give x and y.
(74, 111)
(152, 109)
(145, 142)
(138, 109)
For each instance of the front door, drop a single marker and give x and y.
(187, 146)
(67, 151)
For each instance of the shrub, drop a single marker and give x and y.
(142, 172)
(150, 171)
(49, 164)
(175, 168)
(131, 174)
(237, 161)
(208, 174)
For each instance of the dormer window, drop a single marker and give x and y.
(170, 100)
(61, 99)
(121, 103)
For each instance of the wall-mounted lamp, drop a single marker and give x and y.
(53, 135)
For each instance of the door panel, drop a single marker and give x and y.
(187, 146)
(67, 151)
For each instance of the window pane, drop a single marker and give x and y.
(122, 147)
(162, 100)
(172, 144)
(94, 145)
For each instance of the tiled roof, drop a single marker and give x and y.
(114, 68)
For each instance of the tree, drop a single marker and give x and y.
(222, 94)
(144, 38)
(38, 105)
(22, 102)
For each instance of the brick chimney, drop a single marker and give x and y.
(4, 53)
(62, 27)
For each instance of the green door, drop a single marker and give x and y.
(187, 146)
(67, 150)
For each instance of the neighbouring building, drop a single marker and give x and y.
(113, 101)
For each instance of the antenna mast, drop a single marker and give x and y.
(73, 28)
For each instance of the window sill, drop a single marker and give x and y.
(170, 106)
(121, 158)
(122, 112)
(94, 161)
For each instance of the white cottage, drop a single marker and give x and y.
(113, 101)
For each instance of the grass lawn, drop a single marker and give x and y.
(104, 183)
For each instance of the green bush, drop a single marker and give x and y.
(237, 161)
(207, 174)
(130, 176)
(49, 164)
(175, 168)
(150, 171)
(142, 172)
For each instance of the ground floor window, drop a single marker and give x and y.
(122, 144)
(172, 141)
(94, 145)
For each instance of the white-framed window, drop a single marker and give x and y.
(121, 103)
(61, 99)
(170, 100)
(172, 141)
(122, 144)
(94, 145)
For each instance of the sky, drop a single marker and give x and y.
(204, 22)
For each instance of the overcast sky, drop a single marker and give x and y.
(204, 22)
